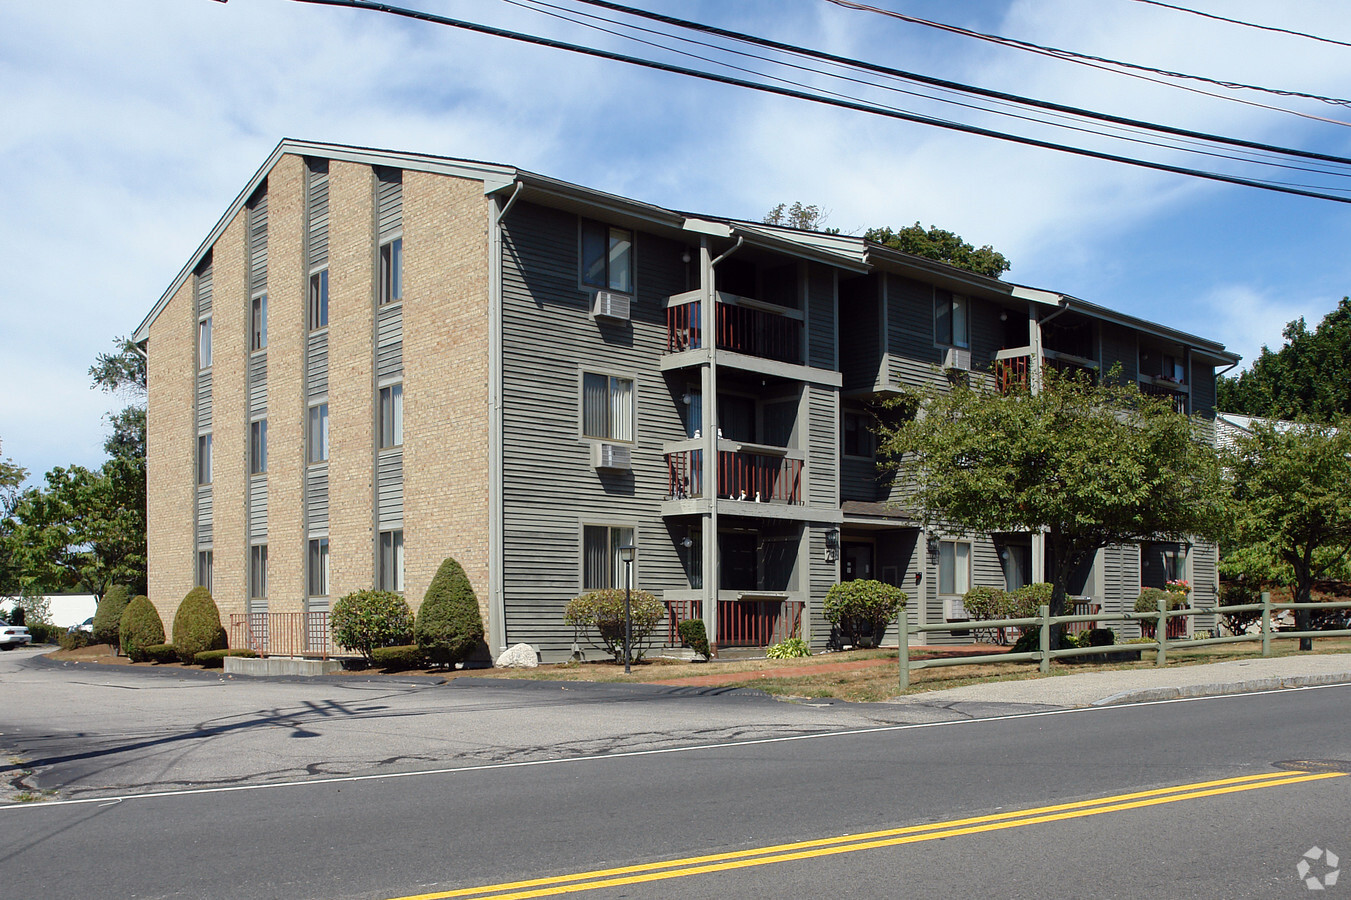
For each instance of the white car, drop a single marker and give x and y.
(12, 636)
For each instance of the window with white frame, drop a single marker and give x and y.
(258, 323)
(951, 328)
(391, 271)
(391, 416)
(318, 567)
(954, 568)
(258, 571)
(204, 343)
(258, 447)
(601, 565)
(204, 566)
(607, 257)
(204, 458)
(389, 567)
(319, 300)
(607, 407)
(317, 433)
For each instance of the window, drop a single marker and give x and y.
(204, 569)
(858, 436)
(258, 323)
(607, 257)
(954, 567)
(318, 433)
(391, 272)
(318, 586)
(391, 416)
(258, 447)
(389, 574)
(204, 343)
(950, 323)
(203, 459)
(601, 565)
(258, 571)
(319, 300)
(607, 407)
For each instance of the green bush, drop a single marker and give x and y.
(215, 659)
(1030, 641)
(862, 609)
(364, 620)
(694, 636)
(396, 659)
(72, 640)
(197, 625)
(792, 648)
(449, 626)
(108, 615)
(1236, 593)
(1101, 637)
(1026, 600)
(1149, 598)
(603, 610)
(983, 602)
(43, 633)
(17, 616)
(160, 653)
(140, 628)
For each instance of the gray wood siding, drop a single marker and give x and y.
(823, 445)
(910, 330)
(389, 341)
(258, 243)
(258, 383)
(389, 489)
(1119, 346)
(204, 291)
(316, 499)
(1204, 561)
(258, 508)
(203, 400)
(204, 514)
(860, 333)
(549, 487)
(821, 317)
(1203, 390)
(821, 576)
(1121, 582)
(316, 209)
(858, 479)
(316, 365)
(389, 203)
(987, 332)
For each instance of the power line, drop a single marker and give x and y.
(1206, 15)
(814, 98)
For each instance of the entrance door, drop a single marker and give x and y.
(858, 561)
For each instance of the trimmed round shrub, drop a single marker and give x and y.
(108, 615)
(161, 653)
(1148, 600)
(695, 636)
(396, 659)
(449, 626)
(862, 609)
(1025, 601)
(197, 625)
(215, 659)
(140, 627)
(364, 620)
(603, 610)
(983, 602)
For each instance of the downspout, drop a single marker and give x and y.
(1039, 536)
(497, 607)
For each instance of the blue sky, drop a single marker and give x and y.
(128, 129)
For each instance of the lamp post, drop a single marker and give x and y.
(628, 553)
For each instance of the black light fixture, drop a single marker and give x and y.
(832, 545)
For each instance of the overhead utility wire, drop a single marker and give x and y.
(1186, 146)
(1206, 15)
(962, 87)
(1099, 62)
(800, 95)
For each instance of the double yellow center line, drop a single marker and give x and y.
(850, 843)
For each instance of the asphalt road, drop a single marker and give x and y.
(486, 784)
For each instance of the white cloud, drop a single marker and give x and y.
(1246, 319)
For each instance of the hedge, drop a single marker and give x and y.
(160, 653)
(396, 659)
(215, 659)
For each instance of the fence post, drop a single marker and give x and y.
(903, 639)
(1161, 633)
(1266, 623)
(1045, 639)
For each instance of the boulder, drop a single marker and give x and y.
(518, 656)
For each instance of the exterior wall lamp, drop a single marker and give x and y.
(833, 545)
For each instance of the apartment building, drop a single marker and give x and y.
(376, 360)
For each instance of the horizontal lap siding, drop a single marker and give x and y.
(316, 366)
(204, 291)
(1121, 581)
(316, 498)
(317, 213)
(822, 575)
(258, 244)
(858, 479)
(204, 400)
(389, 341)
(1119, 346)
(549, 486)
(820, 317)
(1205, 558)
(257, 384)
(1203, 390)
(823, 443)
(258, 509)
(389, 489)
(860, 332)
(205, 515)
(987, 332)
(389, 204)
(910, 346)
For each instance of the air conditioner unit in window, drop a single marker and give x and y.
(954, 610)
(612, 456)
(958, 358)
(611, 305)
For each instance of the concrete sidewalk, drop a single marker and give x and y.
(1141, 685)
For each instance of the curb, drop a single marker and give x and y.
(1274, 683)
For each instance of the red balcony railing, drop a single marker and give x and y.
(678, 611)
(682, 327)
(685, 474)
(752, 477)
(282, 634)
(757, 623)
(1012, 373)
(740, 329)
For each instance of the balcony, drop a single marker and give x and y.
(1158, 386)
(1013, 368)
(756, 476)
(744, 326)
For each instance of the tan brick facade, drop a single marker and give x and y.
(445, 354)
(351, 378)
(230, 417)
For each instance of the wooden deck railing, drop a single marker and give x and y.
(740, 329)
(741, 476)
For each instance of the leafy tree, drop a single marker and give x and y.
(1309, 378)
(11, 479)
(1091, 465)
(449, 626)
(1290, 491)
(803, 218)
(123, 373)
(942, 245)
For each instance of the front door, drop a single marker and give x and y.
(858, 561)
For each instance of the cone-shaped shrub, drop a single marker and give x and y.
(197, 625)
(108, 616)
(449, 626)
(140, 628)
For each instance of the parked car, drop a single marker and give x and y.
(12, 636)
(87, 626)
